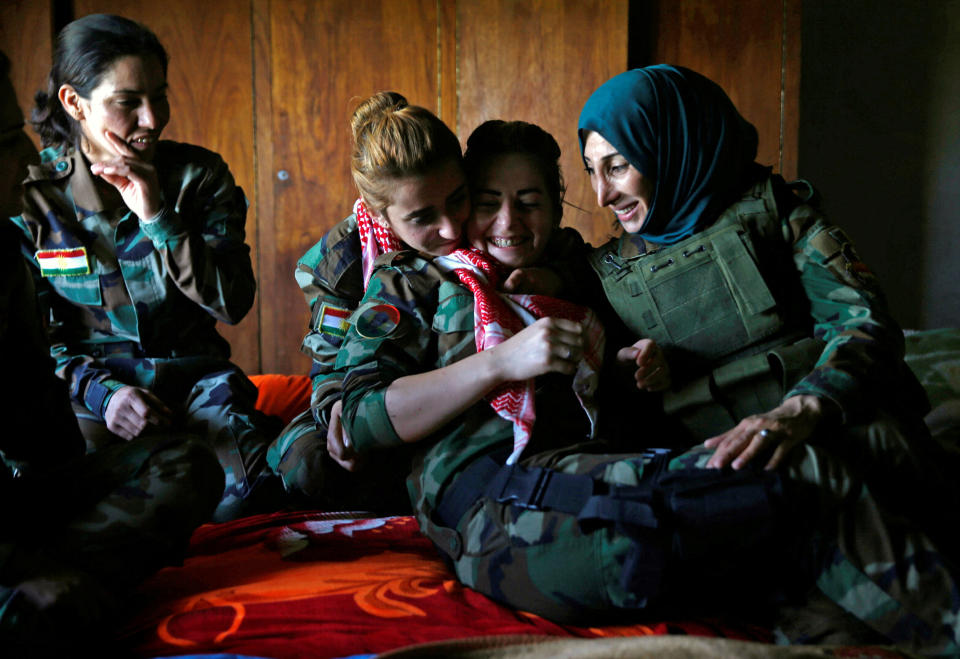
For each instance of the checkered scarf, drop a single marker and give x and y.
(498, 316)
(375, 239)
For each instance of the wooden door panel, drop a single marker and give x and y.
(316, 60)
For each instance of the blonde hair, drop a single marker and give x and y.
(393, 139)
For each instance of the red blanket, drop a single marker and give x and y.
(312, 585)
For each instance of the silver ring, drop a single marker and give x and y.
(764, 433)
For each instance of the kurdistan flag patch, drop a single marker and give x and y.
(59, 262)
(333, 320)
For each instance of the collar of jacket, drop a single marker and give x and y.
(69, 166)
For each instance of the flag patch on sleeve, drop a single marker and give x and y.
(333, 320)
(60, 262)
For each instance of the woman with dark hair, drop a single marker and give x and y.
(77, 531)
(137, 247)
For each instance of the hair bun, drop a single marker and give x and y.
(374, 108)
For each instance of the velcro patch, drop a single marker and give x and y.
(333, 320)
(63, 262)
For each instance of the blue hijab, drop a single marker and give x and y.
(680, 129)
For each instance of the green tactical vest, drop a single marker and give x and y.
(705, 301)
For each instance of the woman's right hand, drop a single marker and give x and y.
(131, 409)
(548, 345)
(135, 179)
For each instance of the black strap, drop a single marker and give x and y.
(539, 488)
(534, 488)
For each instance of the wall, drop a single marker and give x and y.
(880, 137)
(270, 84)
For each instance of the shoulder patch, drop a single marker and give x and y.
(378, 321)
(60, 262)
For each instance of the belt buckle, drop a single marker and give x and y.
(531, 500)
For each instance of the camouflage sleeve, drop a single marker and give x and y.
(389, 337)
(330, 277)
(200, 234)
(850, 314)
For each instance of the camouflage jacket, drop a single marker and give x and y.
(121, 291)
(331, 279)
(810, 282)
(415, 318)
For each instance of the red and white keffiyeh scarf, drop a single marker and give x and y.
(375, 239)
(498, 316)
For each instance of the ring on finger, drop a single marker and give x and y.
(764, 433)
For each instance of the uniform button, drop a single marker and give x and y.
(62, 165)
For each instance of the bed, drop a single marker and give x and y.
(331, 585)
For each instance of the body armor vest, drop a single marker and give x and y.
(705, 301)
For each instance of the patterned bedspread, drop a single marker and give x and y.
(292, 585)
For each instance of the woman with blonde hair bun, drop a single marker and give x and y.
(407, 166)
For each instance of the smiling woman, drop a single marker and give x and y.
(138, 249)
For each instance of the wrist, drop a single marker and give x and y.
(151, 214)
(490, 369)
(814, 409)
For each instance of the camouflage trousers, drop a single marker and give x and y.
(218, 404)
(102, 524)
(313, 479)
(834, 541)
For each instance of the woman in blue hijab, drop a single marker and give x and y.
(759, 327)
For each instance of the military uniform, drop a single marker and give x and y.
(115, 515)
(331, 278)
(571, 533)
(136, 302)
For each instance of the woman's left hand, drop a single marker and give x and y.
(782, 429)
(134, 178)
(651, 371)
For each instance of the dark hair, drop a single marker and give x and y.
(85, 50)
(4, 65)
(393, 139)
(497, 137)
